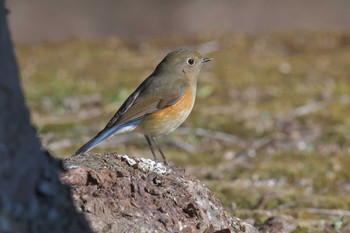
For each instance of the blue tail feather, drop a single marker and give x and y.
(106, 133)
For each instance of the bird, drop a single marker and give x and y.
(160, 104)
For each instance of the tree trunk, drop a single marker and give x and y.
(31, 197)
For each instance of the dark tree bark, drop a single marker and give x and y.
(31, 197)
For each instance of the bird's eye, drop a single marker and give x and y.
(190, 61)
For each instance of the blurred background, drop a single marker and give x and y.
(39, 20)
(270, 130)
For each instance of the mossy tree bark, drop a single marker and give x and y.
(31, 197)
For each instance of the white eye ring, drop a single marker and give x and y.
(190, 62)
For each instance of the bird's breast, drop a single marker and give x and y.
(168, 119)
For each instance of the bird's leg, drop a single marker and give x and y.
(151, 147)
(160, 150)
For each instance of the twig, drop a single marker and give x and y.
(328, 212)
(184, 146)
(60, 144)
(254, 147)
(310, 108)
(218, 135)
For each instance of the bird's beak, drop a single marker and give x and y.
(206, 59)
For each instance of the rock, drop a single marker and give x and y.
(124, 194)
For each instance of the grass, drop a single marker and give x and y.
(289, 162)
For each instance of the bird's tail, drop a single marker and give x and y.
(106, 133)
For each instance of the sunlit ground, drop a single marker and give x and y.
(269, 133)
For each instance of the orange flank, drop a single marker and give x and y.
(169, 118)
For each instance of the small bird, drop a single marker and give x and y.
(160, 104)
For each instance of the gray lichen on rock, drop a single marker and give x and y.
(146, 165)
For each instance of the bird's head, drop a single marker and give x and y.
(183, 62)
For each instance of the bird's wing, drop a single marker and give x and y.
(144, 101)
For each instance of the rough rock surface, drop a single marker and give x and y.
(124, 194)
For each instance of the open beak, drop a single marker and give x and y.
(206, 59)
